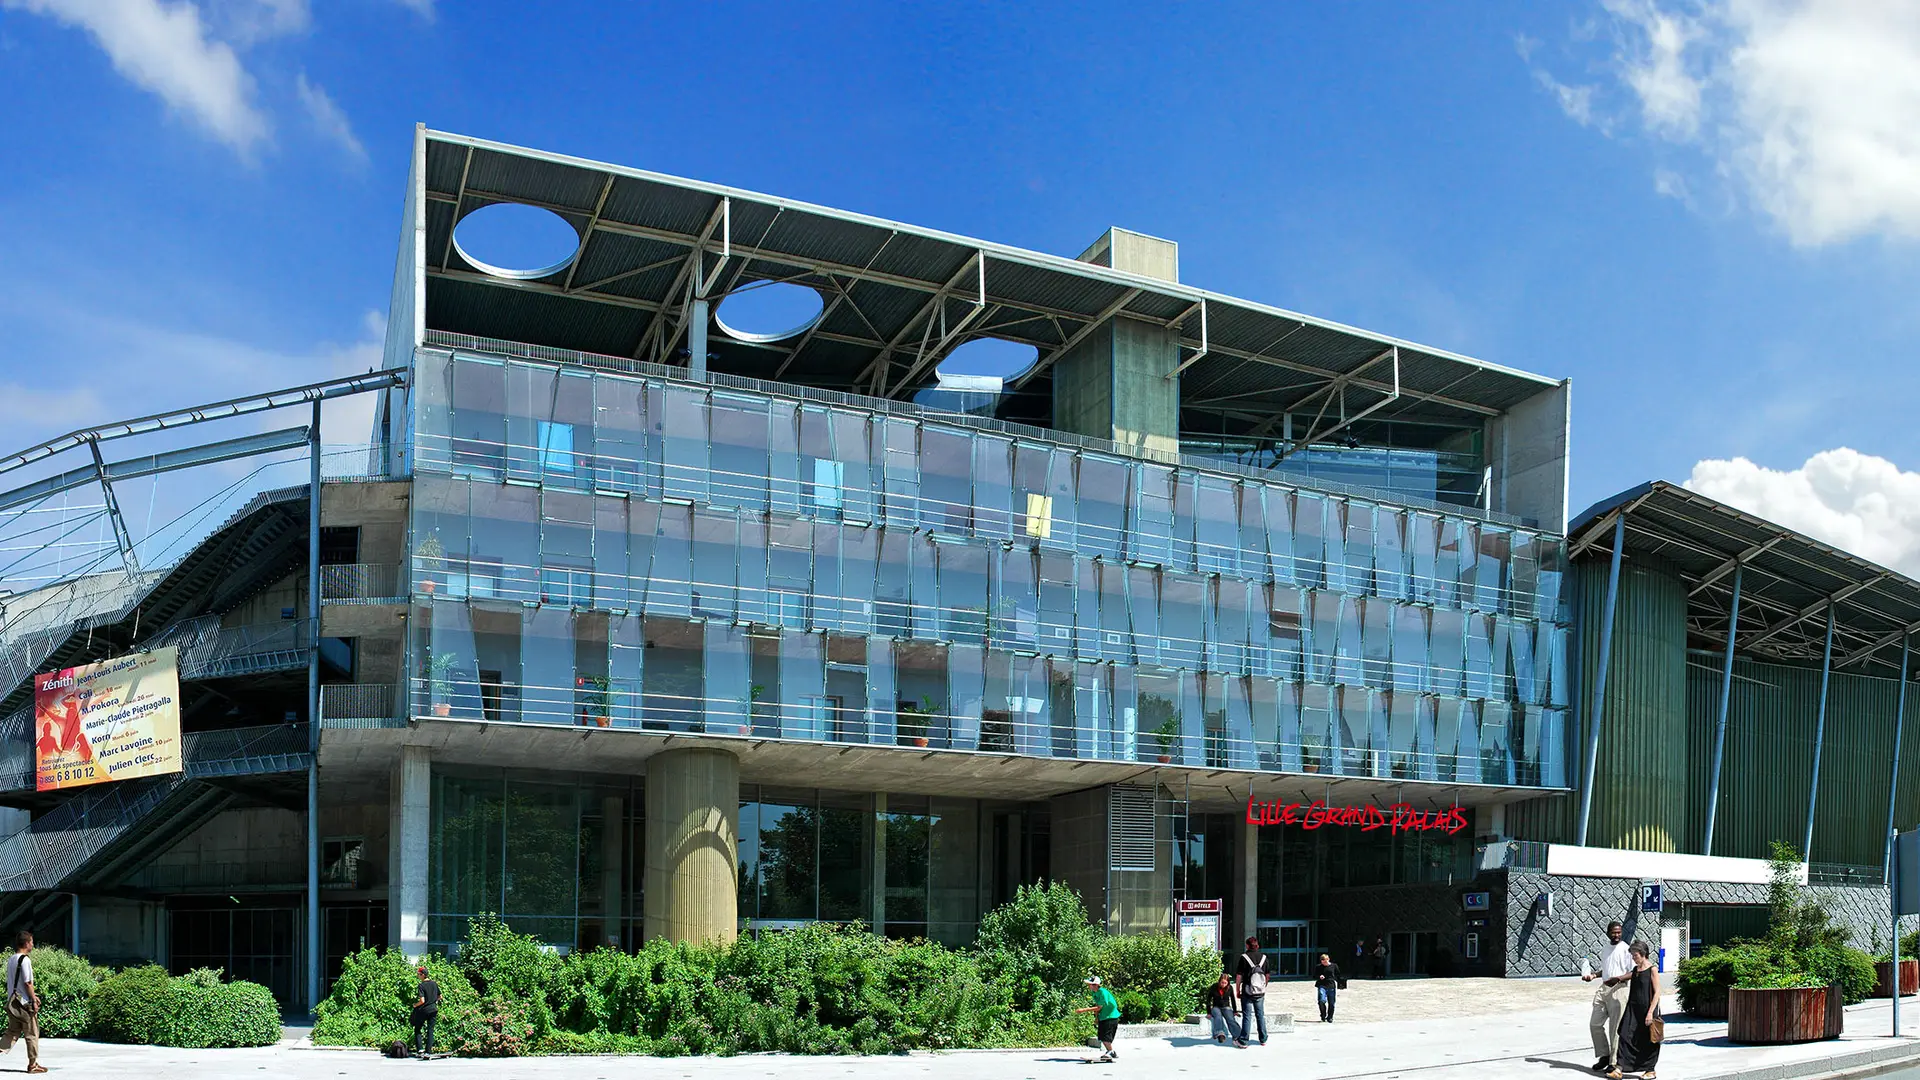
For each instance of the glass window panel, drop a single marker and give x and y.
(1143, 601)
(946, 480)
(542, 855)
(1403, 735)
(1466, 754)
(963, 589)
(1309, 538)
(1323, 639)
(1525, 564)
(1029, 700)
(1241, 742)
(739, 454)
(1448, 662)
(829, 592)
(1152, 534)
(1423, 542)
(1161, 723)
(1548, 599)
(1288, 734)
(784, 465)
(954, 876)
(1286, 627)
(477, 445)
(1087, 613)
(803, 686)
(851, 435)
(1355, 729)
(1526, 687)
(466, 864)
(728, 685)
(1217, 526)
(847, 693)
(747, 849)
(789, 571)
(619, 434)
(1059, 580)
(449, 679)
(1317, 734)
(1390, 554)
(1182, 552)
(546, 659)
(1239, 602)
(1491, 569)
(859, 548)
(643, 525)
(1376, 642)
(1280, 533)
(1263, 706)
(1553, 749)
(1193, 715)
(846, 856)
(1181, 599)
(1103, 504)
(966, 694)
(529, 401)
(1496, 749)
(1411, 663)
(1017, 611)
(1000, 707)
(893, 605)
(675, 683)
(1446, 570)
(610, 569)
(626, 654)
(716, 554)
(993, 508)
(1360, 547)
(496, 635)
(1066, 516)
(1069, 740)
(1479, 656)
(921, 674)
(559, 463)
(682, 418)
(909, 836)
(1347, 662)
(1500, 681)
(669, 579)
(1469, 564)
(901, 466)
(788, 835)
(506, 541)
(1253, 531)
(755, 602)
(882, 691)
(1557, 682)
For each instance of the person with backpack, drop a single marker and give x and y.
(426, 1013)
(1251, 975)
(23, 1003)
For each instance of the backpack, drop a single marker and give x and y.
(396, 1049)
(1257, 978)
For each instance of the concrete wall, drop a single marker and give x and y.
(258, 846)
(1114, 385)
(1527, 449)
(1078, 838)
(1582, 907)
(122, 932)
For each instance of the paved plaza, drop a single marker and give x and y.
(1433, 1029)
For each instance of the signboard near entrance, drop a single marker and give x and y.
(1651, 899)
(1197, 924)
(114, 720)
(1400, 817)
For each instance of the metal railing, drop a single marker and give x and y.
(359, 705)
(362, 583)
(1845, 874)
(222, 652)
(246, 751)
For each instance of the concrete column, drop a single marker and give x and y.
(1246, 881)
(613, 849)
(410, 818)
(693, 825)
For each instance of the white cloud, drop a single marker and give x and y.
(328, 117)
(1857, 502)
(1808, 107)
(248, 22)
(422, 8)
(165, 48)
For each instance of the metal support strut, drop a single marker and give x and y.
(1595, 711)
(1720, 726)
(120, 534)
(1899, 724)
(316, 965)
(1819, 734)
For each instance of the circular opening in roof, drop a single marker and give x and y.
(769, 310)
(989, 356)
(514, 240)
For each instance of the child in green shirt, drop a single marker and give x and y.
(1106, 1008)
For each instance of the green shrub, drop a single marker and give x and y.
(1041, 947)
(222, 1014)
(371, 1003)
(1135, 1008)
(503, 1031)
(1173, 983)
(515, 967)
(1910, 945)
(1848, 967)
(64, 982)
(134, 1006)
(1781, 980)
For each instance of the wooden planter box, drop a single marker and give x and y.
(1713, 1008)
(1909, 978)
(1784, 1016)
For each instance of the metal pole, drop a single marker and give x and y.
(315, 964)
(1819, 733)
(1600, 677)
(1899, 723)
(1893, 892)
(1720, 728)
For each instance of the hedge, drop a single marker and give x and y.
(147, 1007)
(65, 982)
(817, 989)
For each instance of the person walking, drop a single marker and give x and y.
(1250, 979)
(1106, 1008)
(1222, 1010)
(1326, 986)
(1610, 998)
(1379, 958)
(23, 1003)
(1639, 1046)
(426, 1013)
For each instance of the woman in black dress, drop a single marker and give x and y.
(1638, 1052)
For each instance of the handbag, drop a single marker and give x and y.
(1657, 1031)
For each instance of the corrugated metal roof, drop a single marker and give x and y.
(891, 271)
(1788, 583)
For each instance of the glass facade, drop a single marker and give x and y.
(612, 550)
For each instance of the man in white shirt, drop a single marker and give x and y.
(1610, 1000)
(23, 1003)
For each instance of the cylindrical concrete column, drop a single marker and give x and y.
(693, 825)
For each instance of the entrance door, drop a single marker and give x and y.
(1410, 953)
(348, 928)
(1292, 945)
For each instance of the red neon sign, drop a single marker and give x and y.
(1400, 817)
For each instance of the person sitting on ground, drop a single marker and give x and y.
(1223, 1007)
(1106, 1008)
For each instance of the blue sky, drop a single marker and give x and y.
(1705, 215)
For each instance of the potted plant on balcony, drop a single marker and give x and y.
(913, 721)
(439, 672)
(1165, 737)
(1313, 753)
(755, 711)
(428, 557)
(593, 693)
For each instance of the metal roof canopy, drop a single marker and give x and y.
(896, 297)
(1789, 582)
